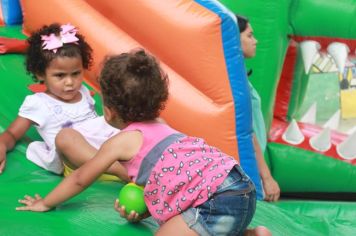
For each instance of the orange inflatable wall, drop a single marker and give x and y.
(188, 44)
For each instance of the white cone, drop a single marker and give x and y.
(310, 116)
(339, 52)
(322, 141)
(309, 49)
(347, 149)
(353, 83)
(293, 135)
(334, 121)
(350, 131)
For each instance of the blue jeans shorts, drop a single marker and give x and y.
(229, 211)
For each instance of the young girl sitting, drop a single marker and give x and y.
(57, 56)
(191, 188)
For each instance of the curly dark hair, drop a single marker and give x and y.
(37, 59)
(134, 85)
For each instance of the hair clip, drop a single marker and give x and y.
(67, 35)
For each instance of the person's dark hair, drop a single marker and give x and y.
(134, 85)
(38, 59)
(242, 22)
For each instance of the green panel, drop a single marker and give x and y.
(298, 170)
(331, 18)
(281, 222)
(309, 218)
(12, 31)
(342, 211)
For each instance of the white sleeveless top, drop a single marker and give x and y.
(51, 115)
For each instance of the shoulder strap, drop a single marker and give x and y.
(152, 157)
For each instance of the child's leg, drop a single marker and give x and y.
(73, 148)
(174, 227)
(75, 151)
(258, 231)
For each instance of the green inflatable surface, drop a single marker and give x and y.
(92, 212)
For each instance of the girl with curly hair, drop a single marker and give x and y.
(57, 56)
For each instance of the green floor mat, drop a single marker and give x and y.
(90, 213)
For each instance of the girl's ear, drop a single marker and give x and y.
(113, 118)
(40, 78)
(109, 114)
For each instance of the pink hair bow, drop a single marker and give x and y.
(53, 42)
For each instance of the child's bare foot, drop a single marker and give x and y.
(258, 231)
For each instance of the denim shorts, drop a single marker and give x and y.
(228, 211)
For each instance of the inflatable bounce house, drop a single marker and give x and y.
(304, 70)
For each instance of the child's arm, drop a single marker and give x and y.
(270, 186)
(9, 137)
(12, 45)
(123, 146)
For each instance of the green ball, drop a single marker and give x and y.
(132, 197)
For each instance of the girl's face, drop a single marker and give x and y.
(248, 42)
(63, 78)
